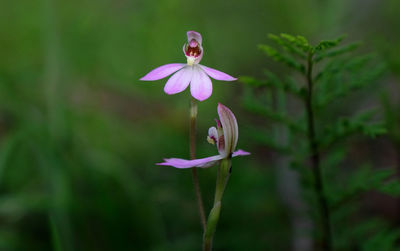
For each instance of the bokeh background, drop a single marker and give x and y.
(80, 134)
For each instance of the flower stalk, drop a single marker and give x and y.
(315, 160)
(196, 185)
(222, 179)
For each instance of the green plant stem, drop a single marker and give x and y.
(315, 160)
(193, 119)
(222, 179)
(398, 176)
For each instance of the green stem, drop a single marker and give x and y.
(315, 160)
(193, 118)
(222, 179)
(398, 175)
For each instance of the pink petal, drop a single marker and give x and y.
(213, 134)
(194, 35)
(162, 72)
(218, 75)
(240, 153)
(179, 81)
(229, 126)
(201, 86)
(183, 163)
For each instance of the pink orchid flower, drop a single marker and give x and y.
(224, 136)
(192, 72)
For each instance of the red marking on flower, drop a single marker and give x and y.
(193, 49)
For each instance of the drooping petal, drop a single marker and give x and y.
(183, 163)
(229, 127)
(194, 35)
(218, 75)
(201, 86)
(179, 81)
(162, 72)
(240, 153)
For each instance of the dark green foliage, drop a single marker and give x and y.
(337, 51)
(338, 77)
(327, 44)
(384, 240)
(278, 57)
(391, 187)
(345, 127)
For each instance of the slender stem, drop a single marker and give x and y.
(222, 179)
(315, 160)
(398, 176)
(193, 118)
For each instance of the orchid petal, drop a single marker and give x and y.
(212, 137)
(229, 127)
(240, 153)
(201, 86)
(194, 35)
(183, 163)
(213, 133)
(162, 72)
(179, 81)
(218, 75)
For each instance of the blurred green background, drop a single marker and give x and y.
(80, 134)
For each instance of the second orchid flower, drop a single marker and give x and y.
(224, 136)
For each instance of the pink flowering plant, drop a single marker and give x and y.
(224, 135)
